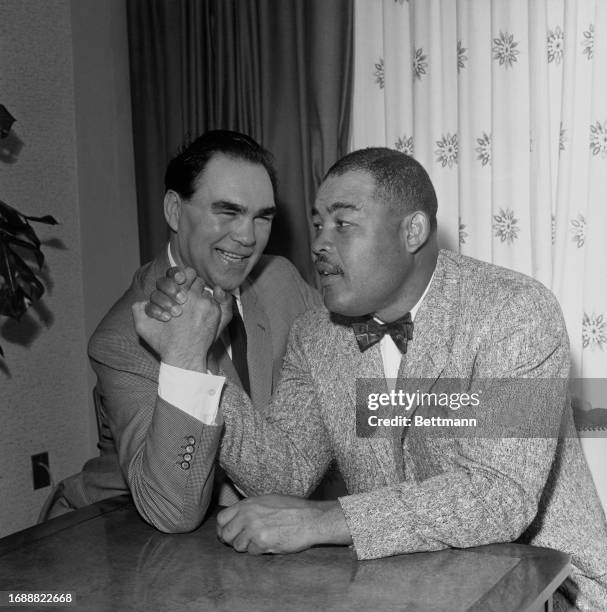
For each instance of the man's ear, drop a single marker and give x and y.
(172, 209)
(416, 230)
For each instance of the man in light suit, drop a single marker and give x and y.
(401, 309)
(219, 205)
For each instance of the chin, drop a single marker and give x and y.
(231, 280)
(230, 285)
(227, 284)
(342, 308)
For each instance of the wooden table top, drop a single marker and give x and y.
(112, 560)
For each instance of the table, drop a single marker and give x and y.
(112, 560)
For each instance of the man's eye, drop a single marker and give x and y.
(342, 224)
(317, 226)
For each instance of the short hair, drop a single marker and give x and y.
(187, 166)
(400, 180)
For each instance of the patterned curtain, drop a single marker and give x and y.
(504, 102)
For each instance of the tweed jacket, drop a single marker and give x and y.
(417, 491)
(144, 440)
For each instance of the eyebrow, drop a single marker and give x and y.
(337, 206)
(239, 208)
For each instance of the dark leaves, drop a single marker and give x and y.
(19, 286)
(6, 121)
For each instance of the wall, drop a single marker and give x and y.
(106, 170)
(64, 76)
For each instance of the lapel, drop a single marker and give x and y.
(260, 356)
(434, 327)
(430, 350)
(352, 365)
(220, 363)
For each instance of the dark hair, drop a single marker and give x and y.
(400, 180)
(185, 168)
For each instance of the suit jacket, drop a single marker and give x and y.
(143, 438)
(418, 491)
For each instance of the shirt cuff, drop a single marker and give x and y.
(195, 393)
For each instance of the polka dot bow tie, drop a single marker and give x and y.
(370, 332)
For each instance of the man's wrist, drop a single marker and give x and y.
(195, 363)
(331, 525)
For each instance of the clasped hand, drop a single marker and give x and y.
(277, 524)
(183, 318)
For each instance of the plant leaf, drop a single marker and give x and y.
(12, 222)
(48, 219)
(5, 270)
(29, 285)
(38, 254)
(20, 286)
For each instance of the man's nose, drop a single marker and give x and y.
(321, 243)
(244, 232)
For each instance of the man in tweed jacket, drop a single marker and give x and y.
(377, 254)
(219, 205)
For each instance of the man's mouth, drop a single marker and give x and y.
(326, 269)
(231, 257)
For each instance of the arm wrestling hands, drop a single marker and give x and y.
(179, 329)
(264, 524)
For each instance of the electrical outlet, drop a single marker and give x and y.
(40, 470)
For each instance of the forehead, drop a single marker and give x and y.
(356, 187)
(224, 177)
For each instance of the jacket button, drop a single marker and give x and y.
(185, 465)
(187, 457)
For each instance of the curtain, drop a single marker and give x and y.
(504, 102)
(279, 70)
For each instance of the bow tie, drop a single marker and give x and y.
(370, 332)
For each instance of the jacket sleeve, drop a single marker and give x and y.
(285, 448)
(490, 485)
(167, 456)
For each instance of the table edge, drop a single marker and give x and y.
(40, 531)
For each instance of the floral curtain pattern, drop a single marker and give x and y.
(504, 102)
